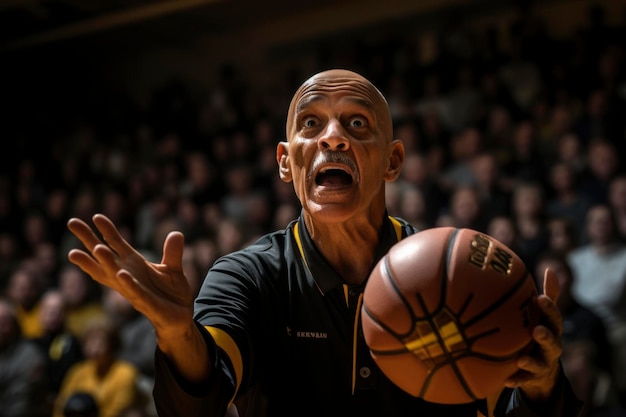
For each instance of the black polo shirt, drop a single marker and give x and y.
(284, 332)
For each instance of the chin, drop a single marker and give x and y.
(331, 212)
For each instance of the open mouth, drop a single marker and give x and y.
(333, 177)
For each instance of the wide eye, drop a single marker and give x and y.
(309, 122)
(357, 122)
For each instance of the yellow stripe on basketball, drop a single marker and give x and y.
(449, 333)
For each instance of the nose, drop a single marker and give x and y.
(333, 138)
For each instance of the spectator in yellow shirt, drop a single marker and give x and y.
(111, 381)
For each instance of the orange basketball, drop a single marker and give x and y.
(446, 312)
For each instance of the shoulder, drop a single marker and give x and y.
(621, 253)
(28, 353)
(124, 370)
(263, 257)
(404, 226)
(578, 253)
(266, 246)
(78, 372)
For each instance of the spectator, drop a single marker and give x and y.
(46, 257)
(521, 77)
(61, 348)
(502, 228)
(617, 202)
(598, 118)
(527, 210)
(600, 281)
(417, 174)
(586, 349)
(81, 404)
(495, 199)
(22, 369)
(230, 236)
(464, 210)
(563, 236)
(137, 338)
(111, 381)
(81, 298)
(559, 124)
(602, 166)
(566, 200)
(25, 290)
(413, 208)
(523, 161)
(464, 146)
(9, 257)
(570, 150)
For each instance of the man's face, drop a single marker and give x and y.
(600, 226)
(340, 150)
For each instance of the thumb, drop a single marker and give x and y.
(173, 250)
(551, 285)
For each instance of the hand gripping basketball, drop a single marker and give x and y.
(446, 312)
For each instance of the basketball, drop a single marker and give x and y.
(446, 312)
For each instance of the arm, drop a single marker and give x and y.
(159, 291)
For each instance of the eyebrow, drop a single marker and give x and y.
(361, 102)
(307, 101)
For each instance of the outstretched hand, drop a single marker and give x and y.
(159, 291)
(539, 370)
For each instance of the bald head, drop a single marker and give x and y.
(343, 80)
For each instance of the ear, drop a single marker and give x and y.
(396, 159)
(282, 157)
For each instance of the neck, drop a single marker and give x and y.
(605, 246)
(104, 364)
(350, 246)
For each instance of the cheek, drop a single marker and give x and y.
(299, 183)
(300, 158)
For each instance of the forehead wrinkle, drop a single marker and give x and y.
(372, 98)
(307, 100)
(359, 87)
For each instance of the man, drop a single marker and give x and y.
(275, 327)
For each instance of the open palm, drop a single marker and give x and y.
(159, 291)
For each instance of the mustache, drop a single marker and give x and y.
(333, 157)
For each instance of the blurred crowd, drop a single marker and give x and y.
(526, 143)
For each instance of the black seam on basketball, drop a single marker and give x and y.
(446, 263)
(391, 352)
(387, 329)
(450, 359)
(388, 275)
(465, 304)
(492, 358)
(444, 288)
(504, 298)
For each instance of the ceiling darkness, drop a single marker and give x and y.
(53, 49)
(31, 24)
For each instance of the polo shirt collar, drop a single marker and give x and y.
(321, 272)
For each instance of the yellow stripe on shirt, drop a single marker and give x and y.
(228, 345)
